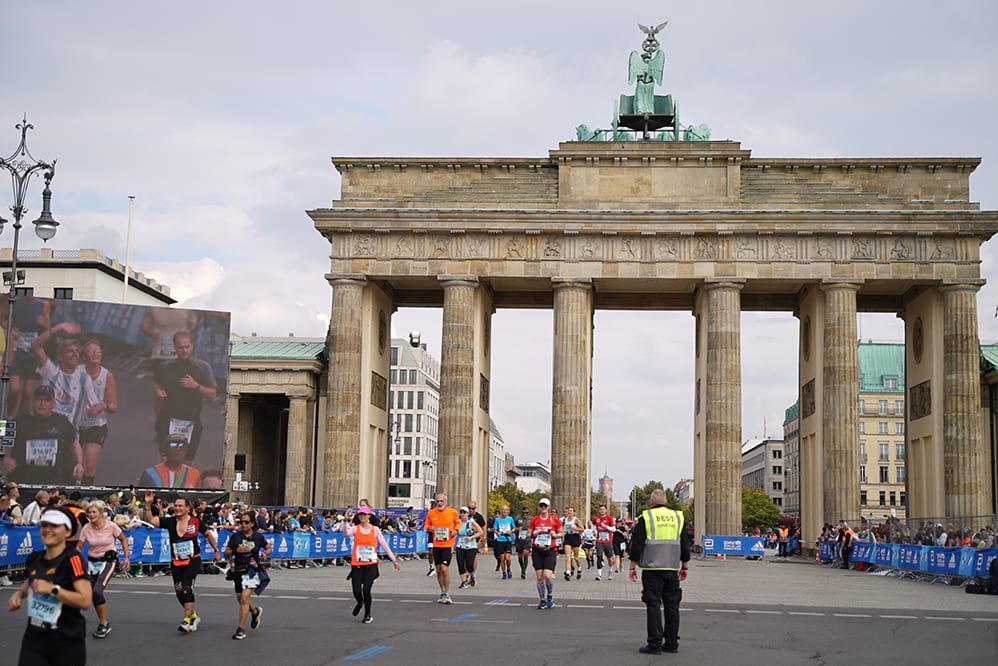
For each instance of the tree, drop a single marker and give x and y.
(758, 509)
(507, 493)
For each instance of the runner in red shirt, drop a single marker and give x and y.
(605, 525)
(544, 531)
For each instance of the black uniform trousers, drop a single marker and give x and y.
(661, 594)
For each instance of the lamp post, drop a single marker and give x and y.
(22, 166)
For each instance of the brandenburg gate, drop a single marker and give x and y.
(679, 223)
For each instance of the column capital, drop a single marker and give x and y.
(961, 285)
(573, 283)
(447, 281)
(829, 284)
(335, 279)
(724, 283)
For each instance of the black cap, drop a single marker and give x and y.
(44, 390)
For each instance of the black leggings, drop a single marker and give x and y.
(362, 578)
(465, 559)
(45, 651)
(101, 580)
(183, 580)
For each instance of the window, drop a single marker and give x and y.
(862, 427)
(882, 407)
(407, 446)
(419, 424)
(862, 497)
(899, 451)
(396, 475)
(419, 441)
(401, 377)
(862, 473)
(419, 400)
(778, 501)
(63, 292)
(899, 474)
(882, 427)
(24, 291)
(862, 407)
(777, 454)
(412, 376)
(415, 470)
(883, 498)
(883, 474)
(899, 408)
(408, 423)
(401, 398)
(862, 450)
(902, 498)
(394, 360)
(778, 470)
(899, 428)
(777, 485)
(894, 500)
(398, 489)
(406, 469)
(891, 383)
(882, 447)
(409, 399)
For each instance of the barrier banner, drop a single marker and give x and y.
(861, 552)
(910, 556)
(300, 545)
(16, 543)
(944, 561)
(147, 546)
(792, 545)
(982, 560)
(826, 550)
(733, 545)
(884, 555)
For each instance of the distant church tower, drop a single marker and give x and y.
(606, 487)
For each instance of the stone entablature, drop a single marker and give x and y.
(656, 176)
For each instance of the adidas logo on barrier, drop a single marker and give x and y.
(758, 546)
(3, 545)
(147, 547)
(26, 548)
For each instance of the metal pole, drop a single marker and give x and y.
(128, 250)
(8, 333)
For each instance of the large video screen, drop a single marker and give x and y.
(110, 394)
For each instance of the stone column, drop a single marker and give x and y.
(571, 406)
(840, 435)
(341, 478)
(723, 398)
(456, 427)
(231, 440)
(966, 459)
(296, 467)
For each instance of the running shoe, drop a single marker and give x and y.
(523, 575)
(578, 575)
(550, 602)
(195, 621)
(186, 626)
(541, 605)
(598, 577)
(446, 599)
(356, 609)
(239, 635)
(255, 618)
(431, 572)
(102, 631)
(609, 577)
(368, 619)
(568, 576)
(463, 585)
(472, 580)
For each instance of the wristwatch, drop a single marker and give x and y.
(55, 590)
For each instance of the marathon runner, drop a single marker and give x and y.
(466, 547)
(604, 524)
(544, 531)
(503, 526)
(523, 541)
(247, 549)
(572, 527)
(441, 525)
(364, 559)
(102, 558)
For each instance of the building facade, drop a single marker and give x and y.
(882, 440)
(791, 467)
(763, 467)
(497, 457)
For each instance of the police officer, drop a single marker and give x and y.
(661, 546)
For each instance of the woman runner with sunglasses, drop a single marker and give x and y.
(244, 548)
(102, 558)
(57, 589)
(364, 558)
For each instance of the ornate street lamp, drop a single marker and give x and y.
(22, 166)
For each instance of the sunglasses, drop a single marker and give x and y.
(245, 522)
(176, 445)
(463, 511)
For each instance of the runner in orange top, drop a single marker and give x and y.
(441, 525)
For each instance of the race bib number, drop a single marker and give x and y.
(24, 340)
(41, 452)
(505, 529)
(523, 535)
(183, 550)
(95, 568)
(43, 609)
(603, 535)
(468, 542)
(441, 534)
(251, 582)
(367, 554)
(542, 541)
(182, 427)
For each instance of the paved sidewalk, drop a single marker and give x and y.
(768, 582)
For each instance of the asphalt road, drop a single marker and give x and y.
(307, 621)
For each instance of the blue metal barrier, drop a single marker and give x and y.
(964, 562)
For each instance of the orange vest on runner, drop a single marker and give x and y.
(361, 539)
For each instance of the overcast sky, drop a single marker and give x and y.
(221, 118)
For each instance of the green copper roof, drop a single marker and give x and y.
(990, 355)
(879, 363)
(297, 349)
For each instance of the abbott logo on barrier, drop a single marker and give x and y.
(708, 544)
(26, 548)
(147, 547)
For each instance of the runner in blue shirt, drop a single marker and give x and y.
(504, 529)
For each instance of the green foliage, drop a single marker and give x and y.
(758, 509)
(516, 499)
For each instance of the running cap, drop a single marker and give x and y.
(56, 517)
(363, 509)
(544, 500)
(464, 509)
